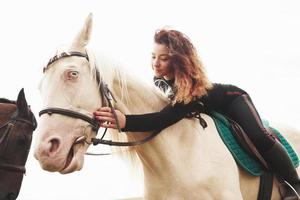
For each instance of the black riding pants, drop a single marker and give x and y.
(236, 104)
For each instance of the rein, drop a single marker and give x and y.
(106, 96)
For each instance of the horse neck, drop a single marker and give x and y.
(167, 149)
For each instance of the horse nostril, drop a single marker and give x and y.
(54, 145)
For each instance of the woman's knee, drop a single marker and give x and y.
(235, 90)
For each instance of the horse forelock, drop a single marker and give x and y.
(54, 92)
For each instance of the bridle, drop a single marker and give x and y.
(9, 126)
(107, 98)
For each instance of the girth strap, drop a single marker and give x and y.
(265, 186)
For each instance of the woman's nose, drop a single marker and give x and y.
(155, 63)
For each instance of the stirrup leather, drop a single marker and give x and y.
(290, 193)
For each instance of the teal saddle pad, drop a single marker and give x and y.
(249, 164)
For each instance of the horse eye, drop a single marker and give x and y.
(71, 75)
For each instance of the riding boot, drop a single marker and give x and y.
(279, 161)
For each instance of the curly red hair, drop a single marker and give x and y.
(191, 80)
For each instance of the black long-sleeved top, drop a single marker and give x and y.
(218, 99)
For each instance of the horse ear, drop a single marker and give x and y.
(22, 105)
(83, 37)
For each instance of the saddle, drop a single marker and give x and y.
(245, 153)
(242, 149)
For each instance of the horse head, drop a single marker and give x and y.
(69, 86)
(17, 123)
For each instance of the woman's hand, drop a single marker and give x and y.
(105, 114)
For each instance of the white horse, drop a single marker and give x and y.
(184, 161)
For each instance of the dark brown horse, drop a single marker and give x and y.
(17, 124)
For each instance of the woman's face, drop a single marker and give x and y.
(161, 61)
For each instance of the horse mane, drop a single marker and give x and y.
(116, 76)
(112, 69)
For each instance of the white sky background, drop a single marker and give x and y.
(253, 44)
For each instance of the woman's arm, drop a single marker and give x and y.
(144, 122)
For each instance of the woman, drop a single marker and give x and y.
(181, 75)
